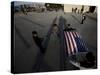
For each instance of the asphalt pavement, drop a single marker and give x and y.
(26, 50)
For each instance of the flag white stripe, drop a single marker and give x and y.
(74, 41)
(71, 45)
(67, 43)
(77, 34)
(74, 34)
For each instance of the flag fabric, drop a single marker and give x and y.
(74, 43)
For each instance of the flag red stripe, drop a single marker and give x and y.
(73, 39)
(71, 45)
(68, 48)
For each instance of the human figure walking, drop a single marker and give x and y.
(39, 58)
(83, 18)
(23, 9)
(38, 41)
(72, 10)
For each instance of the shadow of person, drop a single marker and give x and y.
(38, 41)
(39, 61)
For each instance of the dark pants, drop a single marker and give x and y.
(82, 21)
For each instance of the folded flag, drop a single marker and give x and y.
(74, 43)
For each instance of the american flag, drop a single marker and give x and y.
(74, 43)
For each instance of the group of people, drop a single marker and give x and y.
(89, 59)
(80, 11)
(39, 40)
(24, 9)
(76, 10)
